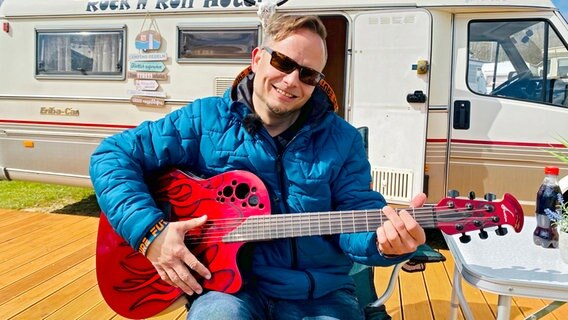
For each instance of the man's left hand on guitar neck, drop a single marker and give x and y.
(401, 233)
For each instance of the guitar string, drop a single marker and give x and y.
(427, 212)
(340, 215)
(220, 226)
(271, 234)
(335, 217)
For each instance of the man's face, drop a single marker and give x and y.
(277, 94)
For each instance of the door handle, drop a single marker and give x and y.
(417, 97)
(462, 114)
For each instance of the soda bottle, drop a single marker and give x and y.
(548, 200)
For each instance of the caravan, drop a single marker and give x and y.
(76, 71)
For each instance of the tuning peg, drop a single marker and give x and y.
(465, 238)
(489, 196)
(453, 193)
(471, 195)
(500, 231)
(483, 234)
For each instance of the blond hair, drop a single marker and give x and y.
(280, 27)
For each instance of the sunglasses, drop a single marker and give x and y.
(285, 64)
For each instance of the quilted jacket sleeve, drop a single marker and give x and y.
(120, 162)
(352, 190)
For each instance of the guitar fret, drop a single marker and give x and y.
(302, 224)
(281, 227)
(289, 225)
(314, 222)
(353, 220)
(264, 219)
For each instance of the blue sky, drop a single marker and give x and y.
(563, 6)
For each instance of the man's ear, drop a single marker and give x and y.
(256, 53)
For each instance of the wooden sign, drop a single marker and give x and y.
(146, 85)
(149, 66)
(147, 101)
(147, 75)
(146, 93)
(153, 56)
(148, 40)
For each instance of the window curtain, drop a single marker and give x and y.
(106, 53)
(57, 53)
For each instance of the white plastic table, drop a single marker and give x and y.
(509, 265)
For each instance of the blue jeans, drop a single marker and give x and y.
(251, 304)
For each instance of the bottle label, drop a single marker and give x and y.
(542, 221)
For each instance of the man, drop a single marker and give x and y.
(278, 123)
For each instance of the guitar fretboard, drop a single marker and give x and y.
(267, 227)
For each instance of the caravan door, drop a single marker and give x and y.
(391, 53)
(509, 102)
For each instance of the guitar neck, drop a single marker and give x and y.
(268, 227)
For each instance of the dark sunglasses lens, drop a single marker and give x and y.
(283, 63)
(310, 76)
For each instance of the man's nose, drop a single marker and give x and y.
(292, 77)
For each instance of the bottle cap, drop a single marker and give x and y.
(551, 170)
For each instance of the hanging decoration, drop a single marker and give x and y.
(146, 67)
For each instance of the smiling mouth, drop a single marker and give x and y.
(284, 93)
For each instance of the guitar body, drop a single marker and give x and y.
(129, 282)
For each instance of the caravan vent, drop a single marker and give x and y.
(394, 184)
(221, 84)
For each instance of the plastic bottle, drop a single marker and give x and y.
(548, 198)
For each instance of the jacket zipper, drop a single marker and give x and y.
(293, 244)
(286, 209)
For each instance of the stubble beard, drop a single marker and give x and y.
(274, 111)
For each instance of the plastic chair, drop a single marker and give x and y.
(372, 305)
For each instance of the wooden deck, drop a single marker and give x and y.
(47, 271)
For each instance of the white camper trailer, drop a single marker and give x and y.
(76, 71)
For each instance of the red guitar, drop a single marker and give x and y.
(238, 208)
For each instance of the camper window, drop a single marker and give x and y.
(518, 59)
(216, 45)
(82, 54)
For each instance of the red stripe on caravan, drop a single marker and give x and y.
(500, 143)
(68, 124)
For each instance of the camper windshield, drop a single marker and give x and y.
(518, 59)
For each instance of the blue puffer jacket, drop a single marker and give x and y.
(323, 168)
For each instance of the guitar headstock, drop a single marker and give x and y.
(456, 215)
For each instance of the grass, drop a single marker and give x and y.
(31, 196)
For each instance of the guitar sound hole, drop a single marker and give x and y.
(228, 191)
(253, 201)
(242, 191)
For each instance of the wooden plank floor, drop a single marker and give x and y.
(47, 271)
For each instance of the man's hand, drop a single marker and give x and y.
(401, 234)
(173, 260)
